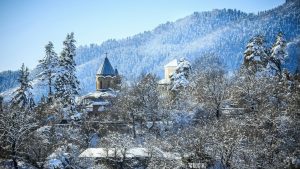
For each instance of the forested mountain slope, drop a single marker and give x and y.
(8, 79)
(224, 33)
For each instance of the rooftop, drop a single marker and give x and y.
(106, 69)
(173, 63)
(101, 94)
(131, 152)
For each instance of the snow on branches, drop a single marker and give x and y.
(179, 79)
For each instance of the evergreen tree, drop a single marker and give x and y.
(48, 66)
(256, 54)
(278, 54)
(66, 84)
(180, 76)
(23, 98)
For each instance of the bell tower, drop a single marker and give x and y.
(106, 76)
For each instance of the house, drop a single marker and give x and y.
(108, 82)
(170, 68)
(176, 75)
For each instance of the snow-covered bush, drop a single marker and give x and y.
(64, 156)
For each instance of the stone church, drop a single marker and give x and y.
(108, 83)
(107, 77)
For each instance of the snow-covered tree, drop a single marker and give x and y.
(256, 54)
(248, 90)
(209, 83)
(138, 104)
(16, 127)
(179, 79)
(278, 54)
(66, 83)
(128, 105)
(49, 68)
(22, 97)
(146, 91)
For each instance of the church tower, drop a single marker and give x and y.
(107, 77)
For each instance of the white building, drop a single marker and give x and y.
(170, 68)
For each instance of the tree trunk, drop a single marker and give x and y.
(50, 84)
(50, 89)
(218, 113)
(133, 126)
(153, 124)
(13, 153)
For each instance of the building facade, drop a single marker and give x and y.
(169, 69)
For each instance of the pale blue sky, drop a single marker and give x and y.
(27, 25)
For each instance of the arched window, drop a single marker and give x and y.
(100, 84)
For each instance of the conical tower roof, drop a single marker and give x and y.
(116, 72)
(106, 69)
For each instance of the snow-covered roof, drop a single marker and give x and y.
(106, 69)
(173, 63)
(138, 152)
(103, 103)
(132, 152)
(163, 82)
(110, 152)
(101, 94)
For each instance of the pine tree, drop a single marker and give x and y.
(66, 84)
(48, 66)
(180, 76)
(256, 54)
(278, 54)
(23, 98)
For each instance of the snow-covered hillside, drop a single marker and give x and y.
(222, 32)
(8, 79)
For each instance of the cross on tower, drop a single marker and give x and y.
(106, 54)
